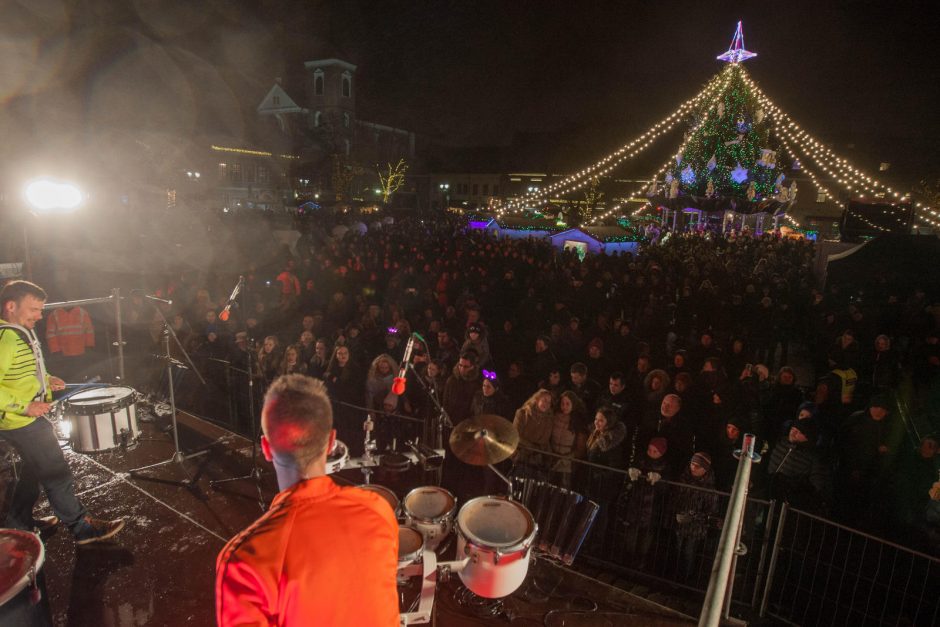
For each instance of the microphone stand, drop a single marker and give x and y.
(256, 473)
(191, 481)
(442, 418)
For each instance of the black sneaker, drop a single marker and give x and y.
(99, 530)
(46, 523)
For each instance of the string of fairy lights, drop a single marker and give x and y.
(838, 169)
(605, 166)
(851, 178)
(726, 81)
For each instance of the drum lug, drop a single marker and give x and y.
(35, 594)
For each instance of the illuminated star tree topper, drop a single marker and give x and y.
(736, 52)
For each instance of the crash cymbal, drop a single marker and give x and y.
(484, 440)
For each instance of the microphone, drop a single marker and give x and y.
(151, 297)
(224, 316)
(398, 386)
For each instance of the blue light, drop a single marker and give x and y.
(736, 52)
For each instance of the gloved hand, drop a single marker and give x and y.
(653, 477)
(633, 473)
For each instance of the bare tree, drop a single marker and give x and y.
(393, 179)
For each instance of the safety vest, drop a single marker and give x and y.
(70, 331)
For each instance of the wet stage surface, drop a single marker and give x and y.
(160, 569)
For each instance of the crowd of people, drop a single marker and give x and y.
(655, 364)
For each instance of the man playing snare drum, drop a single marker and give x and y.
(25, 391)
(322, 554)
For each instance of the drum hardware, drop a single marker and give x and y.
(190, 482)
(427, 456)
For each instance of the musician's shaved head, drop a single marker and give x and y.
(297, 418)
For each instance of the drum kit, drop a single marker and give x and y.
(495, 535)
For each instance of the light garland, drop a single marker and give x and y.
(603, 167)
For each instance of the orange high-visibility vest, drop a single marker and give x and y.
(70, 331)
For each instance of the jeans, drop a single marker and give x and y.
(43, 465)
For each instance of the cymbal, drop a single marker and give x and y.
(484, 440)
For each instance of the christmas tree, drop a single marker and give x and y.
(728, 159)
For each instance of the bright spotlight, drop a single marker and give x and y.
(50, 195)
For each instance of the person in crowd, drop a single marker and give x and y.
(320, 360)
(292, 362)
(344, 383)
(797, 472)
(447, 350)
(641, 501)
(476, 340)
(617, 398)
(489, 399)
(696, 511)
(268, 360)
(553, 384)
(517, 385)
(543, 360)
(534, 421)
(586, 388)
(605, 446)
(568, 438)
(293, 562)
(598, 365)
(871, 445)
(782, 403)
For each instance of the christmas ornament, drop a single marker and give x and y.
(721, 109)
(712, 163)
(742, 125)
(751, 191)
(674, 189)
(688, 176)
(710, 189)
(739, 174)
(796, 165)
(793, 191)
(679, 158)
(669, 177)
(759, 116)
(768, 158)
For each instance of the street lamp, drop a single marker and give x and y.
(445, 194)
(48, 196)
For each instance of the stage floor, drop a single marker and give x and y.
(160, 569)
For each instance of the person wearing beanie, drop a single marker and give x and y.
(489, 399)
(797, 472)
(640, 504)
(475, 339)
(694, 513)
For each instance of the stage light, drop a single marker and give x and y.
(48, 195)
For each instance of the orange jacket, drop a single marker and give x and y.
(321, 555)
(69, 331)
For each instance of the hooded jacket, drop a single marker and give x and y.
(459, 392)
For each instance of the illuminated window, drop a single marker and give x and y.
(821, 197)
(264, 175)
(318, 83)
(347, 84)
(236, 172)
(223, 171)
(348, 146)
(346, 120)
(316, 119)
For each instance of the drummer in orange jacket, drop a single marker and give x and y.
(322, 554)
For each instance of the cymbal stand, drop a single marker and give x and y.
(191, 481)
(256, 473)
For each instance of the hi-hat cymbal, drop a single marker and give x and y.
(484, 440)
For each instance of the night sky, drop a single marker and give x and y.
(465, 72)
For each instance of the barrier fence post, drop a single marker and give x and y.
(730, 538)
(762, 562)
(773, 559)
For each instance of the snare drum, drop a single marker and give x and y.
(430, 510)
(410, 546)
(496, 534)
(21, 557)
(384, 492)
(337, 457)
(102, 419)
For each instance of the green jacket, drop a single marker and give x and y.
(19, 380)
